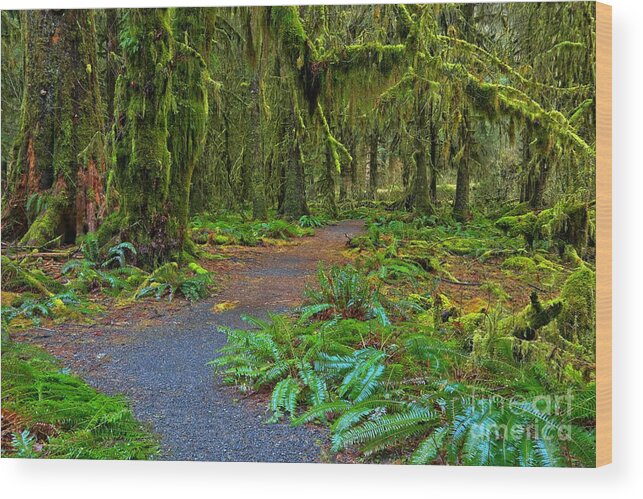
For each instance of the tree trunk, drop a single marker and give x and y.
(433, 141)
(258, 185)
(420, 198)
(55, 182)
(328, 182)
(461, 205)
(372, 164)
(345, 174)
(541, 174)
(294, 203)
(111, 66)
(355, 191)
(143, 163)
(188, 122)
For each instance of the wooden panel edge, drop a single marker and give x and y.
(603, 234)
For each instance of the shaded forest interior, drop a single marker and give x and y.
(139, 146)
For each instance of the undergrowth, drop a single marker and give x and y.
(49, 413)
(218, 229)
(390, 360)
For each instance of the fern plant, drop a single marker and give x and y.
(311, 221)
(192, 282)
(87, 424)
(88, 276)
(118, 254)
(23, 445)
(346, 292)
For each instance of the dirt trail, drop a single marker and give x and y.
(161, 366)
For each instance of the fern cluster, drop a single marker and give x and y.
(345, 291)
(192, 282)
(82, 423)
(392, 395)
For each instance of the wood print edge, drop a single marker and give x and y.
(603, 234)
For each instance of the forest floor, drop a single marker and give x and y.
(157, 353)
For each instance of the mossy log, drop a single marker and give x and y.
(534, 317)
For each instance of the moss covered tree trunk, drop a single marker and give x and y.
(355, 191)
(420, 190)
(328, 182)
(461, 205)
(433, 144)
(345, 184)
(55, 183)
(258, 185)
(461, 210)
(294, 193)
(111, 65)
(373, 164)
(188, 120)
(143, 163)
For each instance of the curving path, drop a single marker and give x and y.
(162, 367)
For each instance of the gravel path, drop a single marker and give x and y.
(162, 367)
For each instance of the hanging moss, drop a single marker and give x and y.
(286, 23)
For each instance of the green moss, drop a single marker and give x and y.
(520, 263)
(15, 277)
(47, 229)
(529, 226)
(577, 321)
(143, 163)
(536, 315)
(495, 290)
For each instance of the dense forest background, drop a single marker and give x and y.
(130, 121)
(145, 150)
